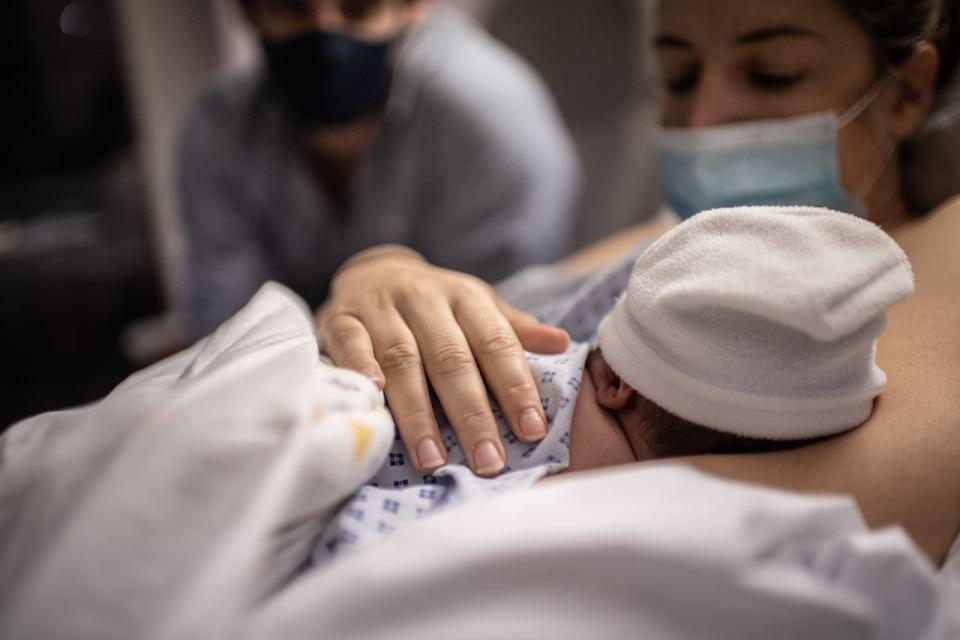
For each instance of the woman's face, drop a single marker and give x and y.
(730, 61)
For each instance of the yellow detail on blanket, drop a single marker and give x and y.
(362, 434)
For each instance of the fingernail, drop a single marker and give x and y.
(487, 459)
(532, 425)
(428, 453)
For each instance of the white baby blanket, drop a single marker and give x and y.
(185, 495)
(659, 551)
(174, 507)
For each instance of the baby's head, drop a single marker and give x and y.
(750, 329)
(654, 432)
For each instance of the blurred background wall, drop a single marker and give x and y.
(93, 93)
(76, 251)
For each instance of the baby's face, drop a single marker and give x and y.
(597, 438)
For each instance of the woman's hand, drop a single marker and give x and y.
(401, 321)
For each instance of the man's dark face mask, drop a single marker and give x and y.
(329, 79)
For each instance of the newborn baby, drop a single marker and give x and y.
(748, 329)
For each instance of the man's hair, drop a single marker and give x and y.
(669, 436)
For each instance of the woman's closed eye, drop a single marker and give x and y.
(681, 74)
(775, 82)
(683, 84)
(686, 83)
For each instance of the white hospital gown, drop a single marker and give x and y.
(399, 494)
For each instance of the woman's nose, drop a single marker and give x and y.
(713, 103)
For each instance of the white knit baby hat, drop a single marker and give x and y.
(760, 321)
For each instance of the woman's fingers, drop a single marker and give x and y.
(456, 379)
(504, 365)
(399, 320)
(345, 339)
(406, 389)
(533, 334)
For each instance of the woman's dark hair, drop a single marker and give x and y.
(930, 160)
(895, 27)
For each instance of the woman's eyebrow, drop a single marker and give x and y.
(751, 37)
(777, 31)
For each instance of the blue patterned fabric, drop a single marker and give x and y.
(398, 494)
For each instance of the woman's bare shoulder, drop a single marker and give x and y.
(934, 237)
(924, 331)
(901, 465)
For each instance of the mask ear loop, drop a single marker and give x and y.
(865, 101)
(854, 112)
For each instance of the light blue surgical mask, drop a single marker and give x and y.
(791, 161)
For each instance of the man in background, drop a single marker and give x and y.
(370, 122)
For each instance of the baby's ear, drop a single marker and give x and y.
(612, 392)
(616, 396)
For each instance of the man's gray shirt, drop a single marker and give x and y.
(473, 169)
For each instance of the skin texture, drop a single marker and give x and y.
(618, 400)
(401, 320)
(597, 439)
(605, 430)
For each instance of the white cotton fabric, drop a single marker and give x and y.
(760, 321)
(656, 551)
(170, 508)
